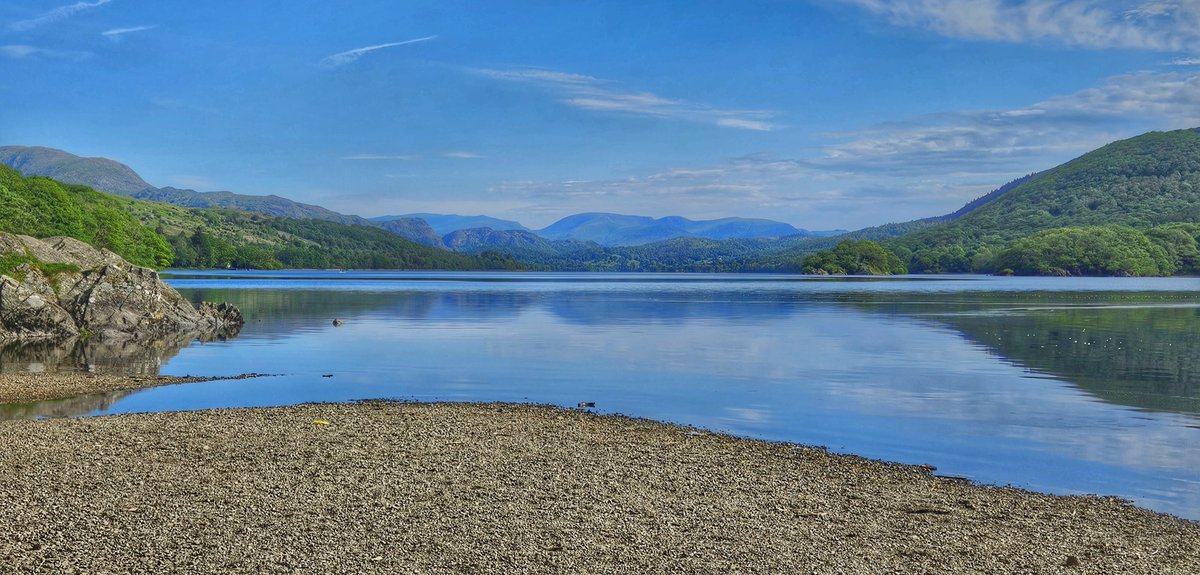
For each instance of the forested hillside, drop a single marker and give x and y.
(42, 207)
(1140, 184)
(159, 235)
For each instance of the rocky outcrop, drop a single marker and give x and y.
(95, 293)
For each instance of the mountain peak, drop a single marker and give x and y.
(100, 173)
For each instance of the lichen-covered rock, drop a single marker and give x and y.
(25, 314)
(109, 297)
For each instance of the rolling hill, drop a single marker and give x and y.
(155, 234)
(113, 177)
(446, 223)
(1129, 208)
(611, 230)
(1145, 183)
(101, 174)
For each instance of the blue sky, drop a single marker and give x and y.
(820, 113)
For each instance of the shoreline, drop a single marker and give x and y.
(447, 487)
(34, 387)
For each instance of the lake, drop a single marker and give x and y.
(1063, 385)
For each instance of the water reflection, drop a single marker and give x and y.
(69, 407)
(1051, 385)
(96, 355)
(1128, 348)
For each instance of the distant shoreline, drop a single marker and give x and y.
(388, 487)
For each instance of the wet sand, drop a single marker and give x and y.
(30, 387)
(494, 488)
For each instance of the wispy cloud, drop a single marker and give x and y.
(1008, 139)
(60, 13)
(23, 51)
(1185, 62)
(1162, 25)
(458, 155)
(381, 157)
(349, 56)
(917, 166)
(118, 32)
(590, 93)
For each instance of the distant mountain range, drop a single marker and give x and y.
(613, 230)
(114, 177)
(446, 223)
(1133, 206)
(608, 230)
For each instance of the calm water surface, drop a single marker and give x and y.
(1064, 385)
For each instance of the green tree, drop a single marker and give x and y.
(855, 257)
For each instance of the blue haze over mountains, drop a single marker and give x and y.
(440, 230)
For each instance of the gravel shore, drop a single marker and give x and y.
(495, 488)
(29, 387)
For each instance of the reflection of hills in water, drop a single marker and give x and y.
(284, 310)
(70, 407)
(1141, 357)
(1126, 348)
(117, 357)
(1135, 349)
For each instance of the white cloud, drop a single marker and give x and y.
(745, 124)
(1138, 24)
(590, 93)
(381, 157)
(458, 155)
(23, 51)
(1193, 61)
(1024, 139)
(118, 32)
(349, 56)
(60, 13)
(19, 51)
(909, 169)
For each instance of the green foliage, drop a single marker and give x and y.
(1087, 251)
(1142, 182)
(1182, 245)
(9, 264)
(675, 255)
(160, 235)
(854, 257)
(42, 207)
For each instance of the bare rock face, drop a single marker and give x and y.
(27, 314)
(109, 297)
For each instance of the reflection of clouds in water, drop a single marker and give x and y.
(882, 366)
(739, 416)
(866, 378)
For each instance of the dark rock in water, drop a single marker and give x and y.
(98, 295)
(225, 314)
(338, 322)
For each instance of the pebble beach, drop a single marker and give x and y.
(385, 487)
